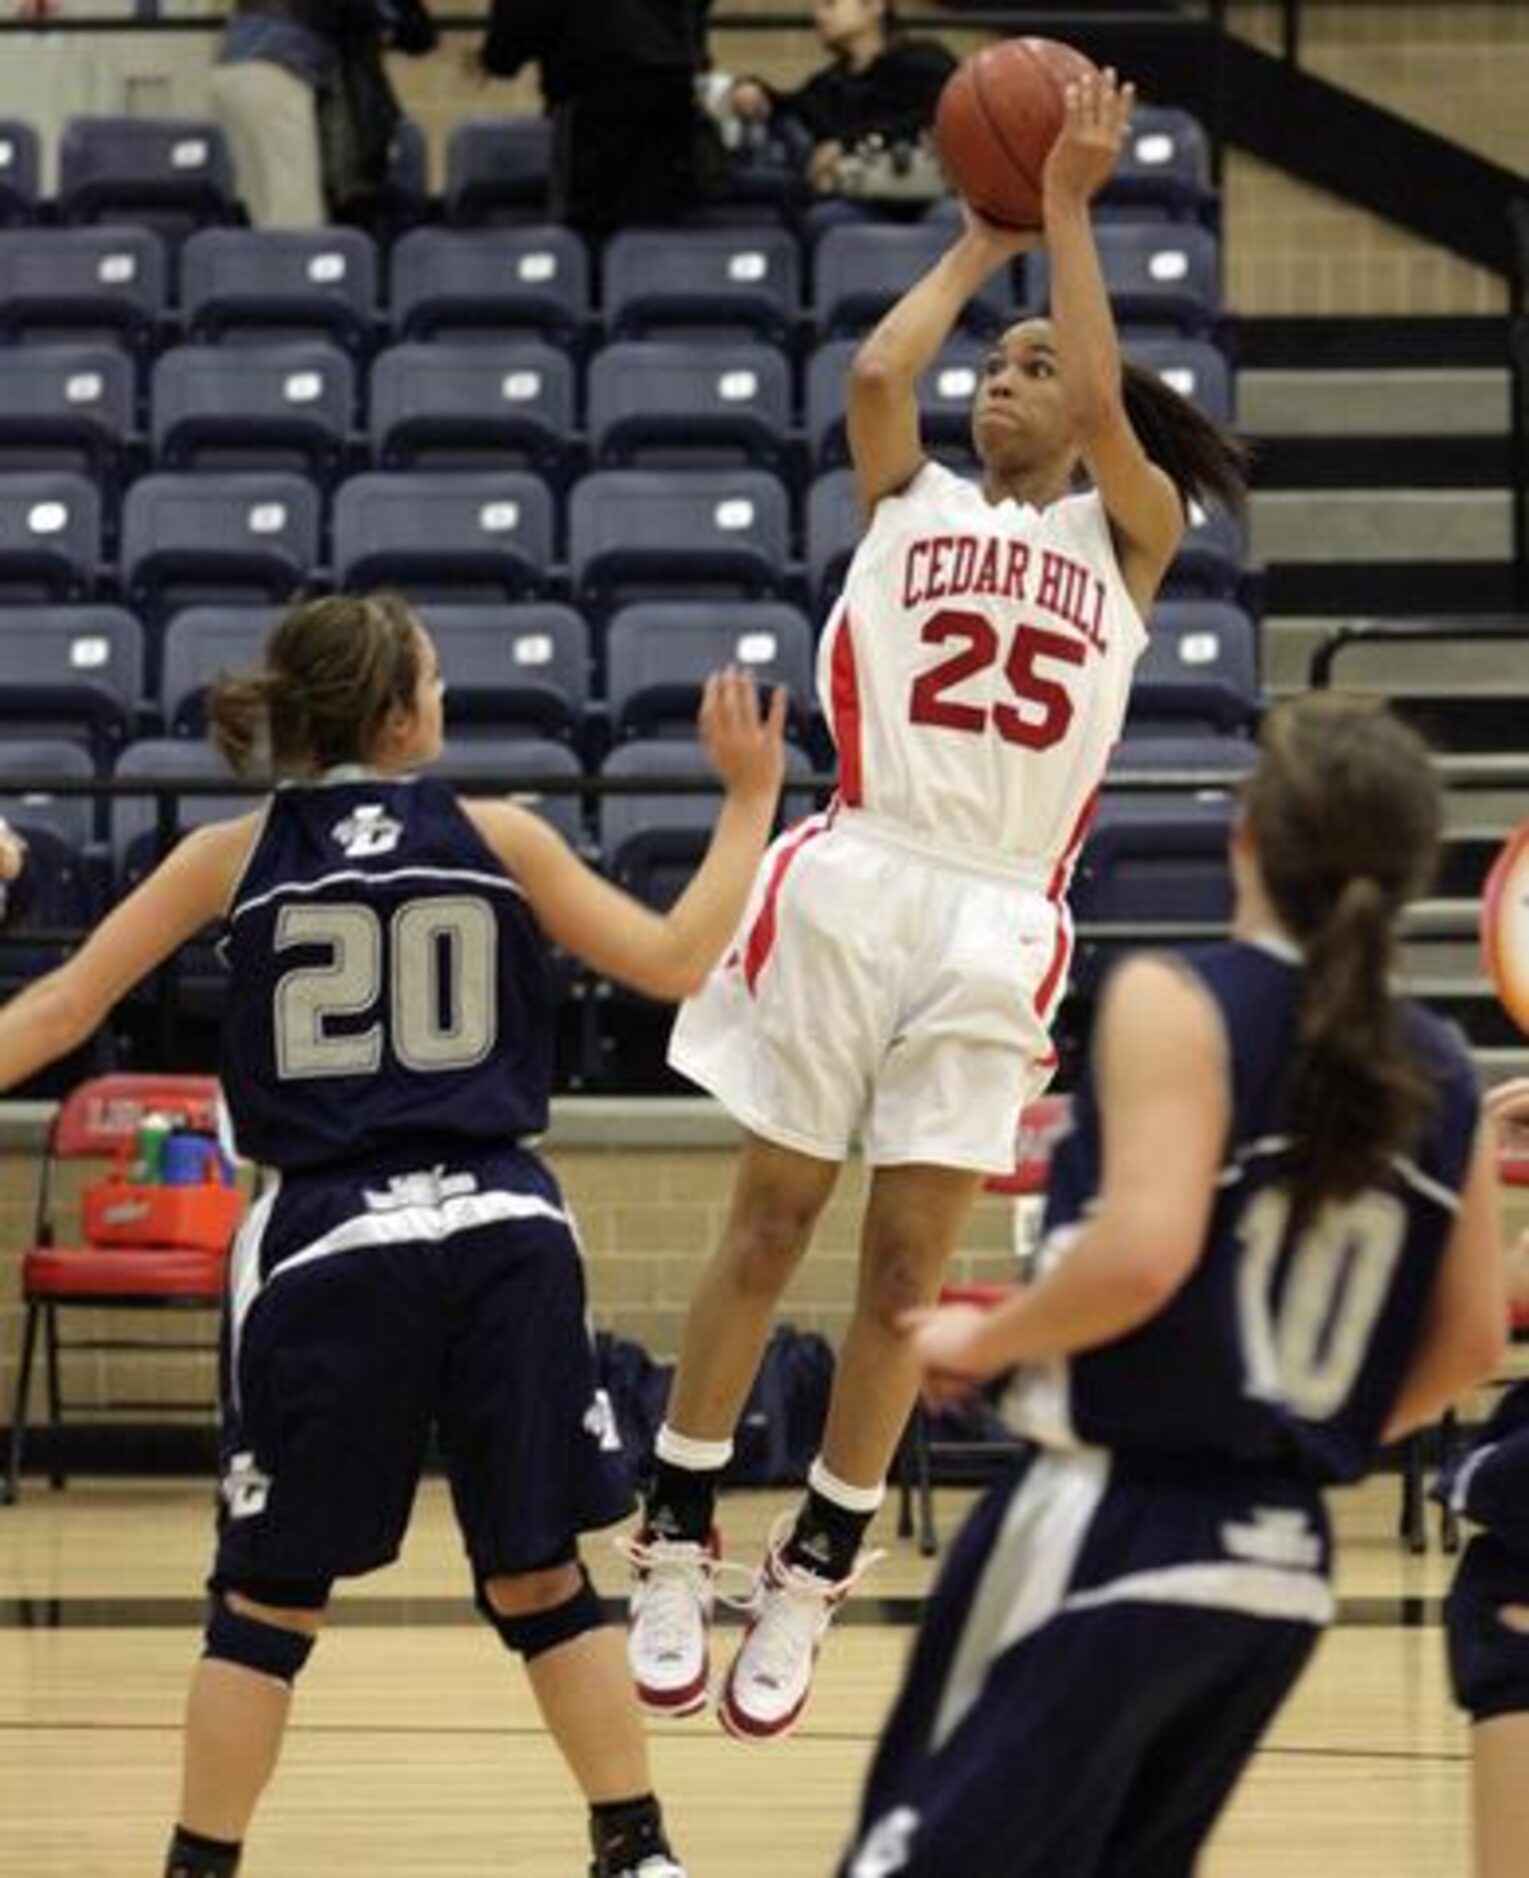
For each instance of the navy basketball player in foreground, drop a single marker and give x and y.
(409, 1265)
(976, 672)
(1270, 1244)
(1488, 1608)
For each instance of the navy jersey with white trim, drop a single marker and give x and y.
(389, 984)
(1279, 1349)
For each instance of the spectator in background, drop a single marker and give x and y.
(630, 143)
(880, 84)
(13, 858)
(302, 95)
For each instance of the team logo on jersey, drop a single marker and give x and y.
(430, 1187)
(245, 1488)
(1275, 1535)
(889, 1845)
(600, 1421)
(366, 831)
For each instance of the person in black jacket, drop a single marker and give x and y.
(879, 84)
(618, 77)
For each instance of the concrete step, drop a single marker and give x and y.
(1384, 403)
(1463, 667)
(1368, 525)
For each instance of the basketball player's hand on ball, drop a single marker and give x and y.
(953, 1346)
(998, 243)
(747, 749)
(1094, 125)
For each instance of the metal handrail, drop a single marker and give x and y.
(1385, 631)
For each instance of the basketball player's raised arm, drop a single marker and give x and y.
(1143, 506)
(665, 955)
(188, 891)
(1465, 1332)
(884, 441)
(1164, 1135)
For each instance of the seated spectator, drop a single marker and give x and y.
(629, 139)
(880, 85)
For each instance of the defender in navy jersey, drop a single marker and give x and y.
(1487, 1613)
(1270, 1245)
(410, 1267)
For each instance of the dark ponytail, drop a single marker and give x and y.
(334, 669)
(1345, 815)
(1205, 463)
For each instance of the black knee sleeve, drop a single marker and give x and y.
(536, 1632)
(251, 1643)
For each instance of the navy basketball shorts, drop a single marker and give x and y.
(1488, 1661)
(373, 1310)
(1101, 1655)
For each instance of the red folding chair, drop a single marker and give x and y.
(1041, 1126)
(94, 1122)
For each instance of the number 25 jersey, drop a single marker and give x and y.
(389, 984)
(977, 666)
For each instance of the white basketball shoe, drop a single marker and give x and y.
(669, 1620)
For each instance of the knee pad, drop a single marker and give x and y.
(251, 1643)
(536, 1632)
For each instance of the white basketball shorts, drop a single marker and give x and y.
(882, 989)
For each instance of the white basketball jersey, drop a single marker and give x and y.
(976, 668)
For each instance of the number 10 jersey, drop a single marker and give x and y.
(977, 667)
(389, 987)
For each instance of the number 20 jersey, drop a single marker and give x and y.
(1281, 1350)
(389, 987)
(977, 666)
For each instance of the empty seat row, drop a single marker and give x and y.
(707, 282)
(189, 538)
(451, 406)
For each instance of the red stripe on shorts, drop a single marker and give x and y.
(844, 696)
(761, 940)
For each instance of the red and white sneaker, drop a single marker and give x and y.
(767, 1687)
(669, 1621)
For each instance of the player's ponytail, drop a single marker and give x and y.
(333, 670)
(1344, 811)
(1204, 462)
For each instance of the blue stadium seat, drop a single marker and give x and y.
(633, 534)
(277, 407)
(702, 282)
(512, 671)
(1211, 557)
(18, 173)
(945, 395)
(402, 199)
(199, 644)
(1195, 369)
(860, 270)
(25, 760)
(513, 768)
(835, 523)
(50, 536)
(71, 672)
(473, 406)
(1159, 274)
(195, 539)
(510, 281)
(271, 284)
(497, 170)
(659, 653)
(651, 842)
(169, 174)
(667, 405)
(1225, 759)
(135, 819)
(1155, 859)
(454, 535)
(1164, 165)
(67, 407)
(1199, 671)
(82, 283)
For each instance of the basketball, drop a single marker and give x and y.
(1505, 927)
(998, 117)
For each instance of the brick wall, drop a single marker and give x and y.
(647, 1218)
(1461, 68)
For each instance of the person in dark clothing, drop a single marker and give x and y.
(618, 78)
(879, 84)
